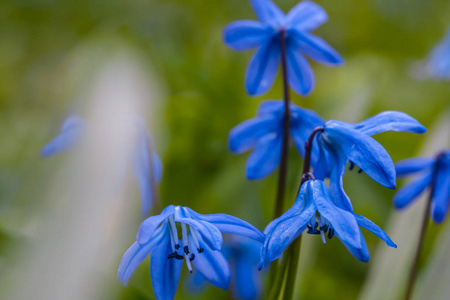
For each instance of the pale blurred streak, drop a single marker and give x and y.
(92, 214)
(389, 268)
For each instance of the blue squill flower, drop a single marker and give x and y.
(434, 173)
(73, 130)
(200, 247)
(438, 65)
(341, 142)
(265, 36)
(315, 210)
(264, 133)
(243, 256)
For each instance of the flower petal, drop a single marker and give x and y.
(288, 227)
(338, 161)
(390, 121)
(246, 34)
(300, 74)
(209, 232)
(245, 136)
(212, 265)
(303, 122)
(157, 166)
(321, 165)
(137, 253)
(229, 224)
(306, 15)
(265, 157)
(262, 69)
(247, 279)
(149, 226)
(409, 192)
(441, 193)
(165, 272)
(271, 107)
(343, 222)
(364, 151)
(413, 165)
(361, 253)
(71, 132)
(315, 47)
(267, 11)
(375, 229)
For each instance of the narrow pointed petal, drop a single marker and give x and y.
(211, 264)
(315, 47)
(263, 68)
(390, 121)
(267, 11)
(413, 165)
(247, 281)
(141, 168)
(407, 194)
(306, 16)
(70, 135)
(287, 229)
(232, 225)
(149, 226)
(245, 136)
(136, 254)
(246, 34)
(271, 107)
(339, 162)
(209, 232)
(361, 253)
(343, 222)
(364, 151)
(441, 194)
(165, 272)
(321, 166)
(157, 166)
(375, 229)
(266, 156)
(300, 74)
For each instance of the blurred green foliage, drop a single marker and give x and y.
(379, 39)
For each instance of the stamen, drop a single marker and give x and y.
(174, 231)
(188, 263)
(186, 249)
(330, 233)
(352, 165)
(360, 171)
(322, 234)
(192, 257)
(184, 234)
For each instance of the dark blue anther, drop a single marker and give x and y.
(324, 228)
(360, 171)
(175, 255)
(200, 250)
(186, 250)
(177, 246)
(330, 233)
(316, 225)
(192, 257)
(352, 165)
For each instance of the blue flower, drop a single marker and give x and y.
(438, 65)
(243, 255)
(200, 246)
(265, 36)
(315, 210)
(73, 130)
(264, 133)
(342, 141)
(434, 174)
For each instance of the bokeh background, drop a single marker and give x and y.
(52, 52)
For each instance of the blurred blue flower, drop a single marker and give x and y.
(438, 65)
(73, 130)
(243, 256)
(342, 141)
(200, 247)
(264, 133)
(434, 174)
(265, 36)
(315, 210)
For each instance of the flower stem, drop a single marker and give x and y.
(279, 204)
(294, 254)
(423, 229)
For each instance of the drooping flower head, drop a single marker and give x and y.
(200, 244)
(340, 142)
(264, 134)
(433, 173)
(265, 36)
(315, 210)
(438, 64)
(147, 165)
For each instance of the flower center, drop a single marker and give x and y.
(319, 225)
